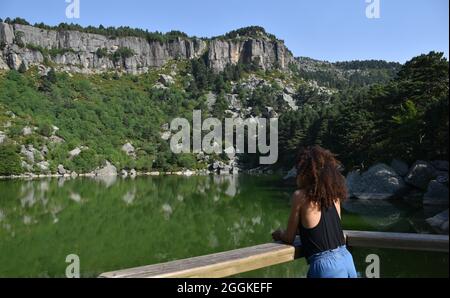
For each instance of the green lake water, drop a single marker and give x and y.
(120, 223)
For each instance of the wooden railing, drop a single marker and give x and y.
(251, 258)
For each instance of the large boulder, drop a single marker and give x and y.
(439, 222)
(437, 194)
(26, 131)
(56, 140)
(107, 170)
(128, 148)
(352, 181)
(379, 182)
(28, 152)
(61, 170)
(43, 166)
(45, 150)
(440, 165)
(420, 174)
(400, 167)
(166, 80)
(74, 152)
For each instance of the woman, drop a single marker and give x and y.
(316, 212)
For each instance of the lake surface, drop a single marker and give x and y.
(120, 223)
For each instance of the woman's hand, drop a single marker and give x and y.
(278, 235)
(288, 235)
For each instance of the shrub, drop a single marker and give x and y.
(86, 161)
(10, 163)
(121, 54)
(18, 39)
(102, 52)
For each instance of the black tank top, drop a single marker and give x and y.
(326, 235)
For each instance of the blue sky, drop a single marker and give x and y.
(323, 29)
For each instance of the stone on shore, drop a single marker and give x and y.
(379, 182)
(420, 174)
(61, 170)
(107, 170)
(437, 194)
(439, 222)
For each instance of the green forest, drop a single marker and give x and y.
(390, 111)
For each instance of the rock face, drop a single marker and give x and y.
(420, 174)
(77, 51)
(379, 182)
(266, 53)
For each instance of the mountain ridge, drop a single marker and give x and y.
(82, 51)
(73, 48)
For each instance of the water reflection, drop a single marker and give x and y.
(121, 223)
(378, 213)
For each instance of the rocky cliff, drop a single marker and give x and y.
(92, 53)
(265, 52)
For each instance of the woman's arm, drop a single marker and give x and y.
(288, 235)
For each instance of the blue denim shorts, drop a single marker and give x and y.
(335, 263)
